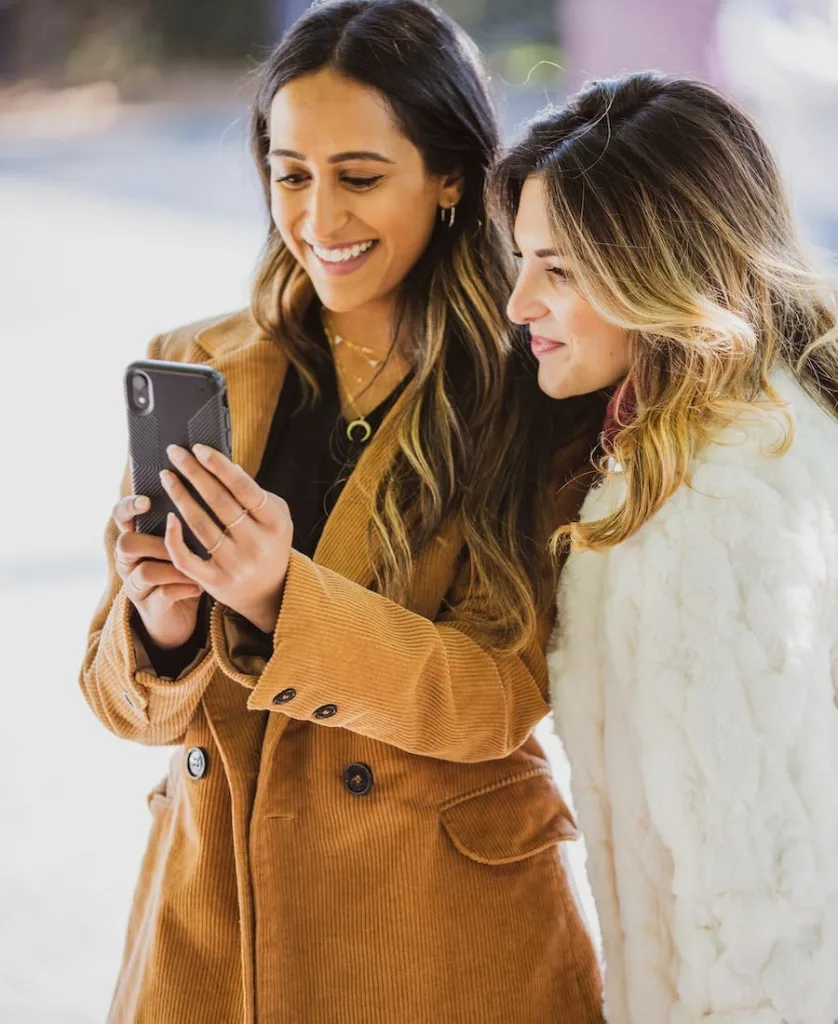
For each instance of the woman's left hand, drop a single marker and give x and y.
(250, 558)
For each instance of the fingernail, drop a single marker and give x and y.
(141, 504)
(200, 450)
(167, 477)
(175, 453)
(170, 520)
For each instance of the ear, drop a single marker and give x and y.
(451, 189)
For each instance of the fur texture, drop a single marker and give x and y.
(693, 677)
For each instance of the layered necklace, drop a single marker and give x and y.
(360, 424)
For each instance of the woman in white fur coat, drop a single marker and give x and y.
(694, 668)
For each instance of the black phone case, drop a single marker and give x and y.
(188, 406)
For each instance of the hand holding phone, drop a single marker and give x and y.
(166, 600)
(168, 403)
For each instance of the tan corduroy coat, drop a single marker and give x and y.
(272, 892)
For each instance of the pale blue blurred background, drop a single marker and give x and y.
(127, 206)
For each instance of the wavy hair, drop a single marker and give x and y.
(449, 318)
(668, 208)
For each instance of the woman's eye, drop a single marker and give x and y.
(558, 272)
(290, 180)
(517, 255)
(358, 182)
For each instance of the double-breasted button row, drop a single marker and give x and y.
(285, 696)
(197, 763)
(358, 778)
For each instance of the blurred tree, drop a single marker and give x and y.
(9, 38)
(283, 14)
(77, 40)
(208, 29)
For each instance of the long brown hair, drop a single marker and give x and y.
(450, 317)
(670, 212)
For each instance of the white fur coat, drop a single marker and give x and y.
(694, 683)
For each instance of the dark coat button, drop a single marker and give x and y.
(196, 763)
(358, 779)
(327, 711)
(285, 696)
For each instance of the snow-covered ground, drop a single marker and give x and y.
(104, 241)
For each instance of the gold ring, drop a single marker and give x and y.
(218, 543)
(261, 504)
(244, 515)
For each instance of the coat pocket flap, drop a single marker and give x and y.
(510, 820)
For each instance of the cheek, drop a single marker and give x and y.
(406, 222)
(283, 214)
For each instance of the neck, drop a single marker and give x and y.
(371, 326)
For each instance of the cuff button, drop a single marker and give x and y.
(285, 696)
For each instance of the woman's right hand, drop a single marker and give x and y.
(166, 600)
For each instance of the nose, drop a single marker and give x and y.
(326, 213)
(524, 304)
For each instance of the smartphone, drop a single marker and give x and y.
(172, 403)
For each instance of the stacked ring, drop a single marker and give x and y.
(244, 515)
(218, 543)
(261, 504)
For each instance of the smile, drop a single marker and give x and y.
(344, 254)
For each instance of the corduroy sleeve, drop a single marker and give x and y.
(118, 679)
(345, 656)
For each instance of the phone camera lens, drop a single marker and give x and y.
(140, 390)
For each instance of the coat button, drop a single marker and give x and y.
(327, 711)
(285, 696)
(358, 779)
(196, 763)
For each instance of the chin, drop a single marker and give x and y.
(343, 295)
(555, 385)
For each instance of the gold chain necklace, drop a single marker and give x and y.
(368, 353)
(360, 422)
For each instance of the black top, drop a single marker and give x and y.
(308, 459)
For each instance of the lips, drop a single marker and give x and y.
(544, 346)
(343, 259)
(342, 253)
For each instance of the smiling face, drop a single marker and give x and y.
(350, 194)
(578, 351)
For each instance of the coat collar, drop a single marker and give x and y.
(254, 368)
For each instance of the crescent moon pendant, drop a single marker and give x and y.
(366, 430)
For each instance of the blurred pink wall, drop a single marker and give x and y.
(602, 38)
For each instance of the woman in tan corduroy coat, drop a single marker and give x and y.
(358, 825)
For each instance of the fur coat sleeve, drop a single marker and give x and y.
(694, 689)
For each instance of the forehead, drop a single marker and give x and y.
(532, 220)
(326, 113)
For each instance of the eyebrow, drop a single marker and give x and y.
(359, 154)
(540, 253)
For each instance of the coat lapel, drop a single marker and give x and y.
(255, 374)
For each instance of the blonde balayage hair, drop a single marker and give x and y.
(450, 311)
(671, 216)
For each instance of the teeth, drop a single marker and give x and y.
(342, 255)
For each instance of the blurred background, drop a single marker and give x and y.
(127, 206)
